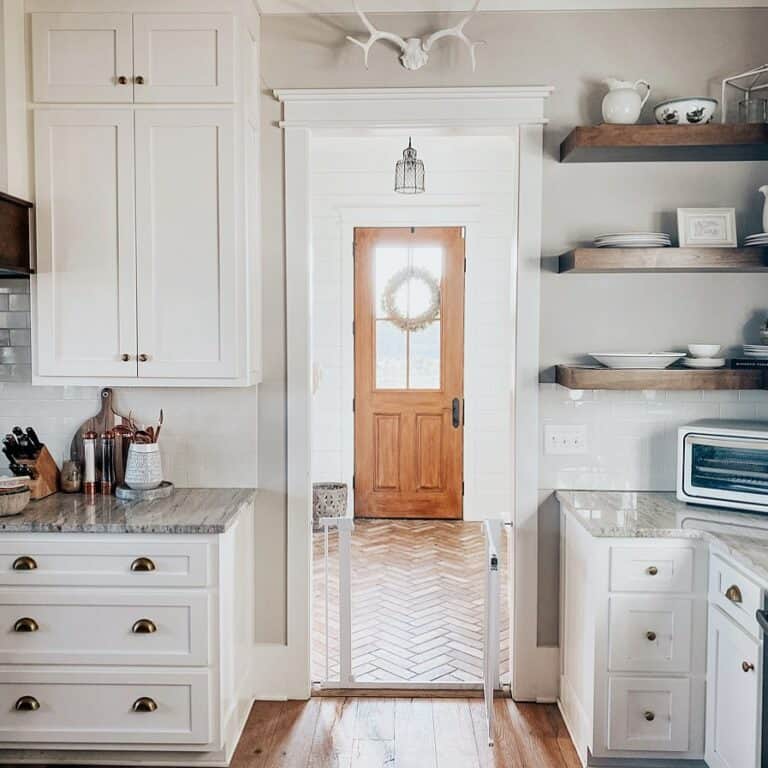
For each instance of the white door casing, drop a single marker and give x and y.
(185, 180)
(358, 111)
(79, 57)
(183, 57)
(86, 269)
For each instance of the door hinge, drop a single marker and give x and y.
(353, 405)
(463, 412)
(353, 482)
(465, 265)
(353, 327)
(462, 487)
(413, 230)
(463, 233)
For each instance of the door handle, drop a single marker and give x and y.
(762, 620)
(456, 411)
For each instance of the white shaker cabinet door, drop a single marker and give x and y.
(733, 695)
(183, 57)
(82, 57)
(85, 287)
(185, 225)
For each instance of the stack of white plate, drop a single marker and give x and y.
(633, 240)
(761, 238)
(756, 350)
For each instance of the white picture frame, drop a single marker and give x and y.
(707, 227)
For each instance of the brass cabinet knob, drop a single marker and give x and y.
(733, 593)
(747, 666)
(652, 570)
(143, 357)
(26, 625)
(649, 716)
(125, 357)
(24, 563)
(651, 636)
(142, 564)
(144, 704)
(144, 627)
(27, 704)
(122, 80)
(139, 80)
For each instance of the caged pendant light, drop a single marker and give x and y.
(409, 173)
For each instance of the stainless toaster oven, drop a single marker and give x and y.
(724, 464)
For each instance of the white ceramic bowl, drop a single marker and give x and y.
(703, 350)
(652, 360)
(690, 111)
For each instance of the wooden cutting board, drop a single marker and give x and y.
(101, 422)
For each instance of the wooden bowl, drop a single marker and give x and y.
(14, 502)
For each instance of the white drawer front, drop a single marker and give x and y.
(104, 627)
(650, 634)
(98, 709)
(736, 594)
(649, 714)
(652, 569)
(93, 561)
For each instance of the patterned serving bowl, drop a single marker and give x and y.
(691, 111)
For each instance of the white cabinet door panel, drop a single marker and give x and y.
(79, 57)
(186, 243)
(184, 57)
(86, 278)
(733, 695)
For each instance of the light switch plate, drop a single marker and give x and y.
(565, 439)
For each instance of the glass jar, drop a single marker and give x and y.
(753, 111)
(71, 477)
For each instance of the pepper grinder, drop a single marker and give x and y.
(107, 463)
(89, 460)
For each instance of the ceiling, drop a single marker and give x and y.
(399, 6)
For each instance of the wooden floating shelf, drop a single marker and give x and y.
(627, 260)
(584, 377)
(665, 143)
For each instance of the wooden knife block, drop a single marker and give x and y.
(45, 474)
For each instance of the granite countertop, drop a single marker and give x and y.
(742, 537)
(188, 510)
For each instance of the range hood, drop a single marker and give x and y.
(15, 237)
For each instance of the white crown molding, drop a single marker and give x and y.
(413, 109)
(281, 7)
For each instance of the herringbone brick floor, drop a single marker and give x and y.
(417, 602)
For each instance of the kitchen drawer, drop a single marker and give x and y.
(650, 633)
(649, 714)
(90, 626)
(735, 593)
(99, 562)
(652, 569)
(99, 708)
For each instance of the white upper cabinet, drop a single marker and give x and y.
(185, 243)
(85, 57)
(86, 279)
(183, 57)
(126, 58)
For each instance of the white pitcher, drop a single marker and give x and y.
(764, 190)
(623, 103)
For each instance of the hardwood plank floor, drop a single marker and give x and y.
(402, 733)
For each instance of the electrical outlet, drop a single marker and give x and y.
(565, 439)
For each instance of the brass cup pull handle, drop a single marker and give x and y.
(142, 564)
(143, 358)
(733, 593)
(26, 625)
(747, 666)
(144, 704)
(122, 80)
(24, 563)
(27, 704)
(650, 636)
(125, 357)
(144, 627)
(652, 570)
(649, 716)
(139, 80)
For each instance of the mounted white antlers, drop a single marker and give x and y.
(415, 50)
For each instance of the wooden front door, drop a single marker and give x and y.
(409, 372)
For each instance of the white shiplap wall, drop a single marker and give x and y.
(476, 174)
